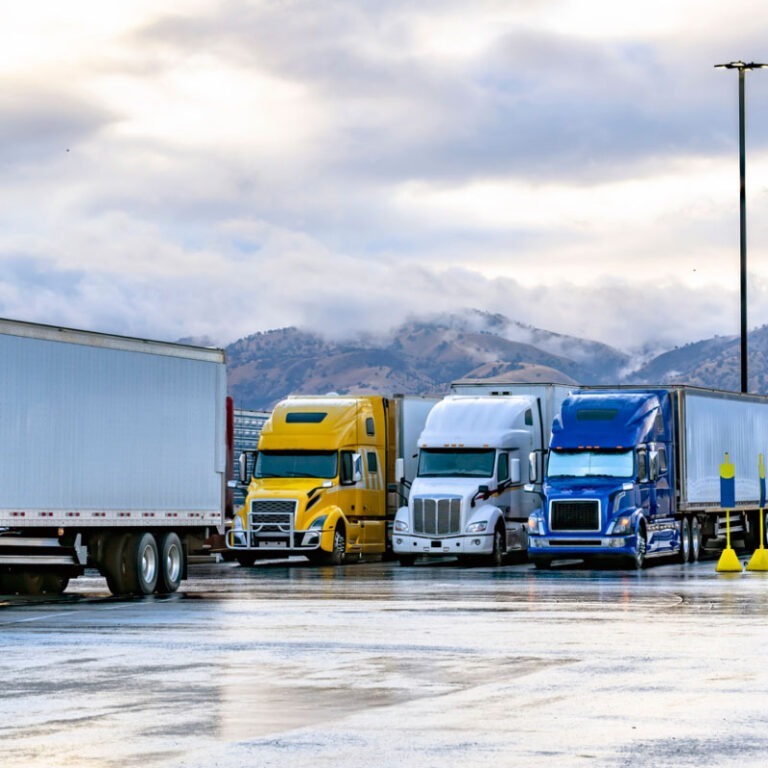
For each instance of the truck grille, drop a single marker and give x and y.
(272, 515)
(574, 515)
(437, 517)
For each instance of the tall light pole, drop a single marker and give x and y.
(741, 66)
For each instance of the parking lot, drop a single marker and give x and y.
(433, 665)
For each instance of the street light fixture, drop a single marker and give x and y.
(741, 66)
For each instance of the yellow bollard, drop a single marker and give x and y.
(759, 559)
(728, 562)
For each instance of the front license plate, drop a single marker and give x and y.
(273, 544)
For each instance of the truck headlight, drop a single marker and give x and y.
(621, 525)
(401, 526)
(318, 522)
(477, 527)
(238, 532)
(536, 524)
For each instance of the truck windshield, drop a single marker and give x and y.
(591, 464)
(296, 464)
(441, 462)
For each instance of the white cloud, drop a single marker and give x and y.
(232, 167)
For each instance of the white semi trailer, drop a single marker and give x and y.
(113, 456)
(477, 451)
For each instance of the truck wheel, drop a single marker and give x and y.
(147, 562)
(339, 546)
(496, 558)
(337, 555)
(637, 561)
(116, 565)
(171, 562)
(695, 539)
(684, 554)
(131, 563)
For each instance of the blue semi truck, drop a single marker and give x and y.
(634, 473)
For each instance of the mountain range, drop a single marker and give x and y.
(424, 355)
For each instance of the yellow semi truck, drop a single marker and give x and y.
(327, 477)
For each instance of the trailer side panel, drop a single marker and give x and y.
(109, 436)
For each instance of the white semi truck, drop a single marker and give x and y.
(113, 456)
(477, 451)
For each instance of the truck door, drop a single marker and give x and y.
(663, 485)
(372, 500)
(504, 480)
(657, 496)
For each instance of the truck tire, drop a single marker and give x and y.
(339, 546)
(171, 562)
(143, 549)
(245, 559)
(684, 555)
(406, 560)
(541, 563)
(117, 566)
(695, 539)
(496, 558)
(337, 555)
(131, 563)
(637, 561)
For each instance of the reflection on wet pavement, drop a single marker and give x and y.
(427, 666)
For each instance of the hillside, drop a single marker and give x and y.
(423, 356)
(419, 357)
(711, 363)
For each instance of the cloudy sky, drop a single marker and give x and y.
(340, 165)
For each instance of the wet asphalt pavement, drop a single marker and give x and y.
(374, 664)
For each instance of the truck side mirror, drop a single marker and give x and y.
(653, 468)
(242, 467)
(514, 471)
(351, 468)
(533, 468)
(399, 470)
(345, 471)
(642, 465)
